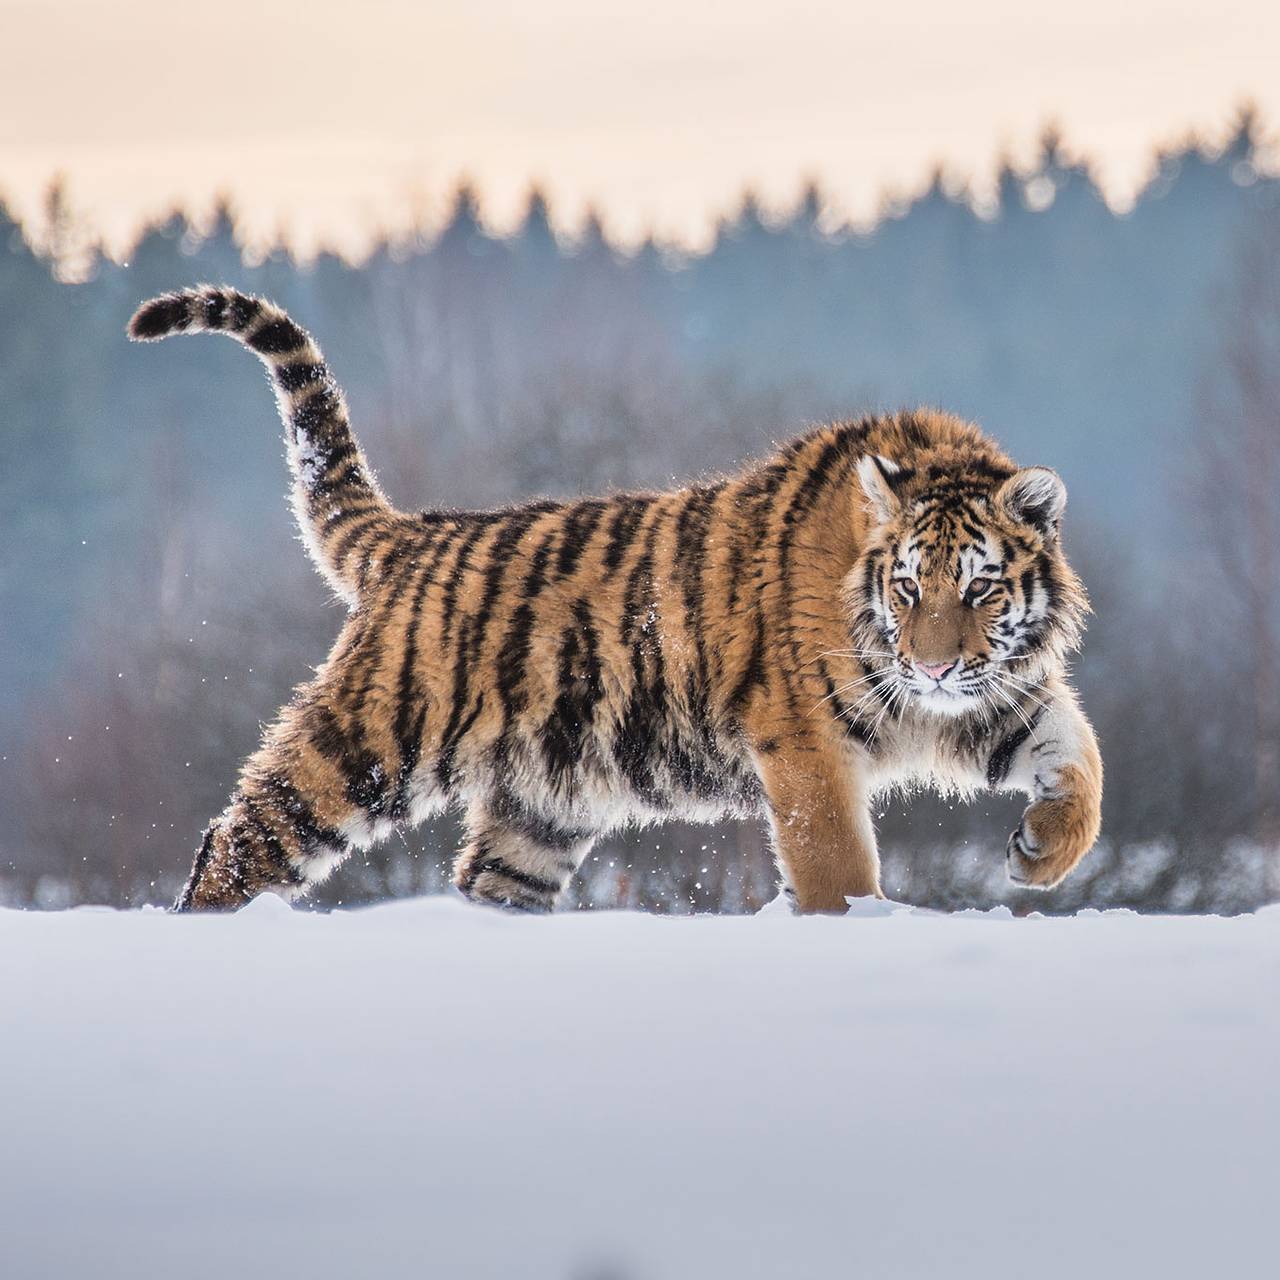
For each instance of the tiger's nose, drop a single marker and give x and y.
(935, 670)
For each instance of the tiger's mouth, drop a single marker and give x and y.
(984, 685)
(950, 689)
(945, 701)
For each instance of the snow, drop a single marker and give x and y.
(432, 1090)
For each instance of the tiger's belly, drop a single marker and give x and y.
(623, 774)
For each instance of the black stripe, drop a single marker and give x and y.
(293, 377)
(327, 736)
(288, 801)
(374, 623)
(733, 570)
(344, 451)
(1002, 757)
(692, 528)
(276, 853)
(362, 771)
(471, 634)
(639, 598)
(859, 732)
(579, 690)
(754, 674)
(497, 866)
(519, 635)
(510, 811)
(197, 871)
(409, 727)
(766, 482)
(244, 311)
(1049, 580)
(816, 479)
(338, 552)
(460, 566)
(321, 408)
(639, 742)
(585, 621)
(235, 866)
(343, 515)
(913, 432)
(215, 309)
(456, 727)
(500, 554)
(623, 529)
(579, 526)
(276, 338)
(353, 475)
(449, 744)
(634, 742)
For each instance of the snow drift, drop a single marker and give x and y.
(429, 1089)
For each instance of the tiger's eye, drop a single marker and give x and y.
(977, 588)
(908, 589)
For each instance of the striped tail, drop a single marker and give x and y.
(340, 509)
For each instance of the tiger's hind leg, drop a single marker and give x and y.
(253, 848)
(515, 858)
(310, 793)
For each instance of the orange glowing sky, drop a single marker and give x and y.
(334, 118)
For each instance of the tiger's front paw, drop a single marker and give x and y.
(1024, 861)
(1052, 837)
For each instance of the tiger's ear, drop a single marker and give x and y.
(877, 475)
(1035, 496)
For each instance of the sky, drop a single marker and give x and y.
(327, 120)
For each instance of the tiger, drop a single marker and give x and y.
(881, 603)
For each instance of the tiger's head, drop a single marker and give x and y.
(963, 596)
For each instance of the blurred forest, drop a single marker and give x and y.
(154, 608)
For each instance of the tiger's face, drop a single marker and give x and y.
(963, 590)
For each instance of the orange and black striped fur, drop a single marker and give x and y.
(881, 602)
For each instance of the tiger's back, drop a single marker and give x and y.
(565, 668)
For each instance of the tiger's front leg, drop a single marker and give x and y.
(821, 823)
(1057, 765)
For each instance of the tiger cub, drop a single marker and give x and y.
(881, 602)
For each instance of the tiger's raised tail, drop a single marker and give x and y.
(340, 509)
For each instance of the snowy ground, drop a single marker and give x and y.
(430, 1090)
